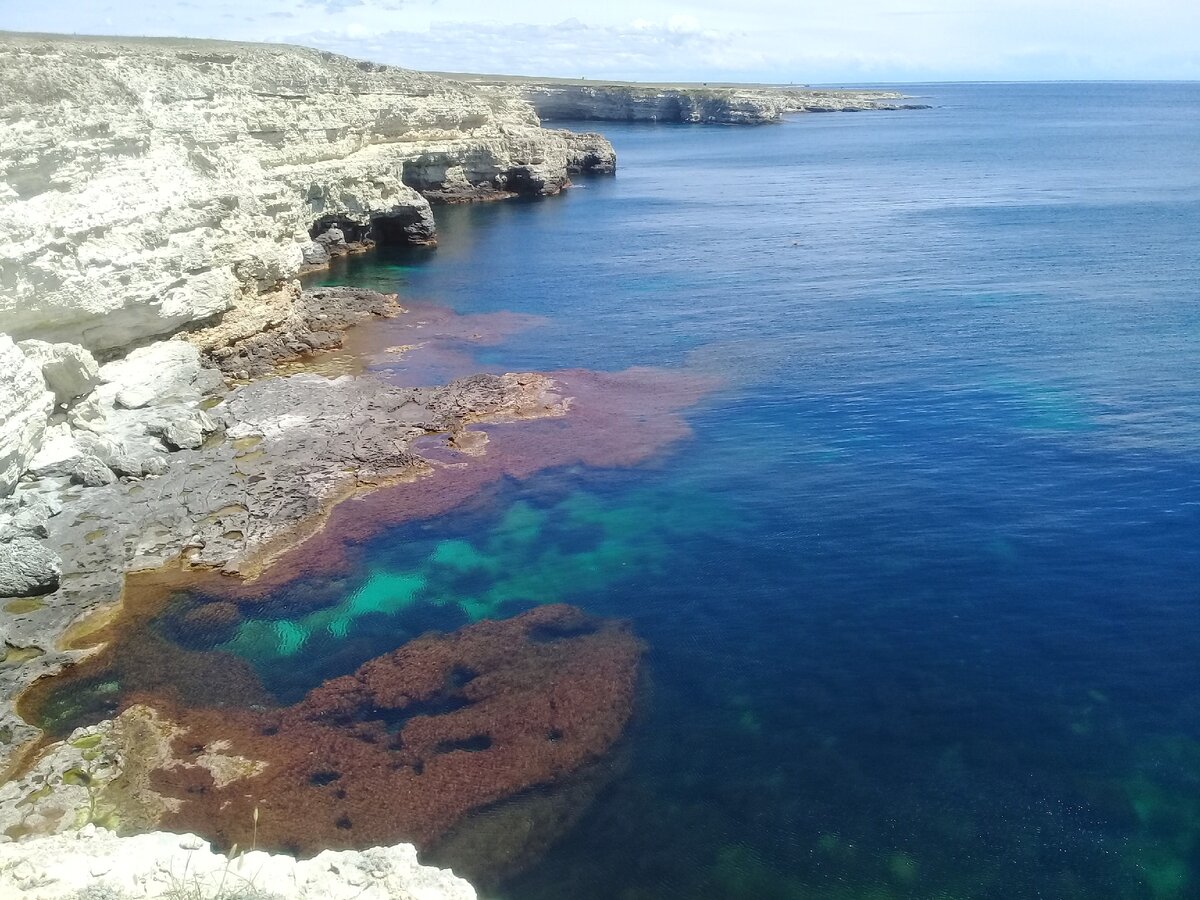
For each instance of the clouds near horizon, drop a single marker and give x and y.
(851, 41)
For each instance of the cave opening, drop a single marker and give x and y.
(404, 228)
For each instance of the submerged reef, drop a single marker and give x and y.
(480, 746)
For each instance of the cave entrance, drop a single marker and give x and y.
(393, 229)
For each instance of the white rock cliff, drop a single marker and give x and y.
(149, 184)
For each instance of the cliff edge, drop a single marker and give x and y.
(692, 104)
(147, 184)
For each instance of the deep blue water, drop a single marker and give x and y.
(920, 592)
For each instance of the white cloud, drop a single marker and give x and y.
(801, 40)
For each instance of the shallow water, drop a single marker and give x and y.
(920, 589)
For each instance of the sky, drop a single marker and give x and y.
(831, 41)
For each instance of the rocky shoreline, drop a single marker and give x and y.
(580, 101)
(158, 199)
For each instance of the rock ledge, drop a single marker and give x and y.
(95, 863)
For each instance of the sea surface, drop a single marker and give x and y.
(920, 590)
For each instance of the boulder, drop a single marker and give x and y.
(59, 453)
(89, 471)
(331, 237)
(27, 568)
(184, 429)
(314, 253)
(70, 370)
(25, 407)
(150, 375)
(136, 464)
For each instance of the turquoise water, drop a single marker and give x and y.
(920, 590)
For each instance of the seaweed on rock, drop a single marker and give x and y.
(416, 742)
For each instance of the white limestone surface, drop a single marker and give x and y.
(94, 862)
(25, 407)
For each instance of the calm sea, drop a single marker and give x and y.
(920, 592)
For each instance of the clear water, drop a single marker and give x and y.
(920, 592)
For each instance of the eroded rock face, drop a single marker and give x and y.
(70, 370)
(724, 105)
(95, 863)
(25, 407)
(149, 184)
(290, 325)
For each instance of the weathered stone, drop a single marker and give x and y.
(153, 374)
(95, 863)
(28, 568)
(70, 370)
(59, 452)
(314, 254)
(185, 429)
(136, 465)
(299, 323)
(25, 407)
(89, 471)
(332, 237)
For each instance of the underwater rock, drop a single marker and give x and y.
(215, 622)
(415, 743)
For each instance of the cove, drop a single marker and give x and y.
(918, 591)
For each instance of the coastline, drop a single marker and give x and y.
(196, 454)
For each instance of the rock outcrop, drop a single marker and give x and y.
(25, 407)
(690, 104)
(146, 185)
(95, 863)
(286, 450)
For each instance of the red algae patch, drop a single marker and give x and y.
(613, 420)
(414, 743)
(430, 344)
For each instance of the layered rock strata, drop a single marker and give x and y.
(690, 104)
(95, 863)
(146, 185)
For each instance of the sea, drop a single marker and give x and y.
(919, 580)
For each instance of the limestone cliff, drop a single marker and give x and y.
(564, 100)
(147, 184)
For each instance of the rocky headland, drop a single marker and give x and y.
(162, 416)
(147, 185)
(577, 101)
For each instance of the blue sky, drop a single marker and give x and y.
(803, 41)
